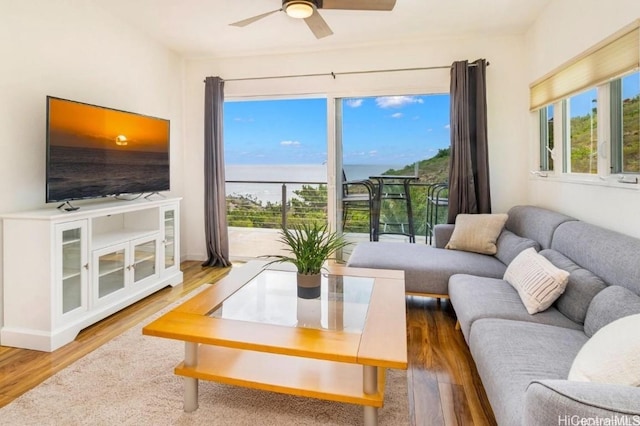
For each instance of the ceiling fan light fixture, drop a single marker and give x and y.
(299, 9)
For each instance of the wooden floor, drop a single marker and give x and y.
(444, 387)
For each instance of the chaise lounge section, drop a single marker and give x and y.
(428, 269)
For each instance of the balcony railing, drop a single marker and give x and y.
(274, 204)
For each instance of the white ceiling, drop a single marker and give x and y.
(200, 28)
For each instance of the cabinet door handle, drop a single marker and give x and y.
(86, 266)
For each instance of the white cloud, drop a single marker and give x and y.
(290, 143)
(397, 115)
(397, 101)
(243, 120)
(354, 103)
(373, 153)
(447, 126)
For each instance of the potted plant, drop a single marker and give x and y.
(310, 246)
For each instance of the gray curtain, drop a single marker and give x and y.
(215, 208)
(469, 161)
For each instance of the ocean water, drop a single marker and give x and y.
(86, 172)
(272, 192)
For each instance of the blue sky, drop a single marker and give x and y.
(394, 130)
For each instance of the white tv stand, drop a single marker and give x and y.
(64, 271)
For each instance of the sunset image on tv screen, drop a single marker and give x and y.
(95, 151)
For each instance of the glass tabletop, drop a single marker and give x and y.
(271, 298)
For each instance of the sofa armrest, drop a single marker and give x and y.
(562, 401)
(442, 234)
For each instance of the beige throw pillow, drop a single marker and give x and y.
(477, 232)
(612, 355)
(538, 282)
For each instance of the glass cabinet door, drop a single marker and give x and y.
(111, 266)
(73, 268)
(169, 241)
(144, 260)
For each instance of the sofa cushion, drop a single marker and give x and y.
(477, 232)
(538, 282)
(610, 304)
(535, 223)
(581, 288)
(611, 355)
(426, 269)
(509, 245)
(474, 298)
(610, 255)
(511, 354)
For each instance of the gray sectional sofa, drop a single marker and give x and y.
(524, 360)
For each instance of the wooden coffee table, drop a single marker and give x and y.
(250, 329)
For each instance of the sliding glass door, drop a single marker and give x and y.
(286, 162)
(276, 169)
(393, 135)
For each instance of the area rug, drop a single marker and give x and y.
(130, 381)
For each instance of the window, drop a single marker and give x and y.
(589, 109)
(546, 138)
(275, 167)
(581, 137)
(582, 132)
(396, 135)
(625, 124)
(401, 133)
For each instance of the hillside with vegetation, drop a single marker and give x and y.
(431, 170)
(584, 143)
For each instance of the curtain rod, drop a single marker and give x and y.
(334, 74)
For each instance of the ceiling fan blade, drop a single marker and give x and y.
(248, 21)
(317, 25)
(357, 4)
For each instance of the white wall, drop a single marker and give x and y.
(506, 91)
(563, 31)
(70, 49)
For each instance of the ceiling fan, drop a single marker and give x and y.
(308, 10)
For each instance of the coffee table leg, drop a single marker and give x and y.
(370, 386)
(190, 384)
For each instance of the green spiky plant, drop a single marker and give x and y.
(310, 246)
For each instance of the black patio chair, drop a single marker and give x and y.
(358, 195)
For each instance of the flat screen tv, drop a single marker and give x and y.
(94, 151)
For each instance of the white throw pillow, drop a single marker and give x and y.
(612, 355)
(538, 282)
(477, 232)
